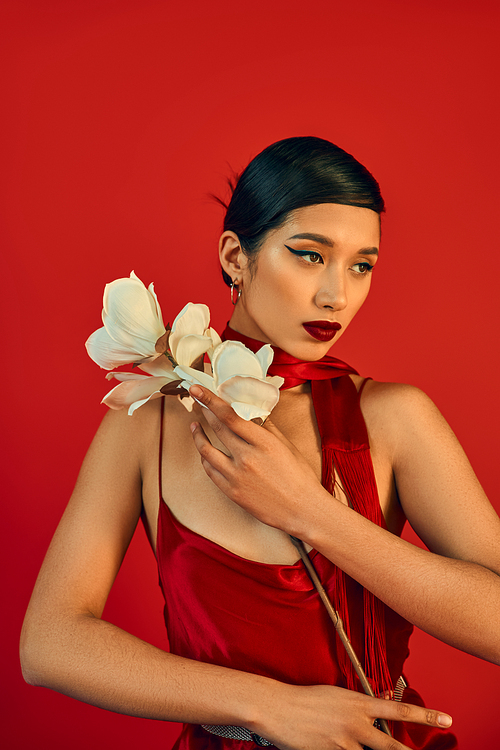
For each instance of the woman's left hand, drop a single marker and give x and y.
(264, 473)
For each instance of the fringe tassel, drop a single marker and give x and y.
(355, 472)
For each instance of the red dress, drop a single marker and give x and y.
(266, 619)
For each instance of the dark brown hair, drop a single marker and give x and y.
(290, 174)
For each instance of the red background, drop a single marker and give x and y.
(120, 118)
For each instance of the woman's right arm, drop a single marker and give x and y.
(66, 646)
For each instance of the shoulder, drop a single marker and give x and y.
(436, 486)
(124, 451)
(129, 431)
(394, 396)
(144, 422)
(392, 399)
(398, 414)
(132, 440)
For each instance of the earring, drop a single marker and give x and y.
(234, 285)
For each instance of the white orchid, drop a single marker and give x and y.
(240, 378)
(133, 324)
(134, 333)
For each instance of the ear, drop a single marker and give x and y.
(232, 258)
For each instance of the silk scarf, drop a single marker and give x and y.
(346, 459)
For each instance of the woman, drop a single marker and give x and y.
(252, 646)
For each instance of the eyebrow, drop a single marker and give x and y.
(322, 239)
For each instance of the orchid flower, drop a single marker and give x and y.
(134, 333)
(240, 378)
(132, 325)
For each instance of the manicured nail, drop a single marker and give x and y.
(196, 391)
(444, 720)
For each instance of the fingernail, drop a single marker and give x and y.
(444, 720)
(196, 391)
(193, 426)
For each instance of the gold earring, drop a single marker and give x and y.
(234, 285)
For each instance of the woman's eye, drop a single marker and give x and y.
(362, 268)
(311, 257)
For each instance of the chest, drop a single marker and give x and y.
(199, 505)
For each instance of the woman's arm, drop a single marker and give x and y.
(452, 591)
(66, 646)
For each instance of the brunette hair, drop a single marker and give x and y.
(290, 174)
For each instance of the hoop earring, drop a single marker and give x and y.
(234, 286)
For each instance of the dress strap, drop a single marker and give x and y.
(160, 449)
(363, 385)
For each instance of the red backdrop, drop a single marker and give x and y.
(121, 117)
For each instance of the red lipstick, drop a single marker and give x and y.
(321, 330)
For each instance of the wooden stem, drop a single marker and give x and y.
(339, 626)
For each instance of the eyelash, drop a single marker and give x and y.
(304, 254)
(368, 268)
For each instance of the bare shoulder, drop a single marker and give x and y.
(116, 443)
(133, 438)
(127, 429)
(399, 410)
(378, 394)
(436, 485)
(111, 476)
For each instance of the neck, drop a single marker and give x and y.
(242, 323)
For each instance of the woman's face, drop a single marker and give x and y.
(313, 271)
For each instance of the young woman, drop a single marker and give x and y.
(341, 464)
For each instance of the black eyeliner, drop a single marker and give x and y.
(295, 252)
(301, 253)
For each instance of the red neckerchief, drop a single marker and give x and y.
(295, 371)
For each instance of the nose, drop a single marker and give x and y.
(333, 293)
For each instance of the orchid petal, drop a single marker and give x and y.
(130, 315)
(192, 319)
(151, 290)
(233, 358)
(265, 356)
(191, 377)
(129, 392)
(137, 404)
(106, 352)
(216, 341)
(248, 390)
(187, 402)
(190, 347)
(129, 335)
(122, 376)
(159, 366)
(150, 295)
(276, 380)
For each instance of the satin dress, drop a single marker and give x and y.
(266, 619)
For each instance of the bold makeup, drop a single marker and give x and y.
(321, 330)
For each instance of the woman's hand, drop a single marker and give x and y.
(264, 472)
(325, 717)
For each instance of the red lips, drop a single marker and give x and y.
(321, 330)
